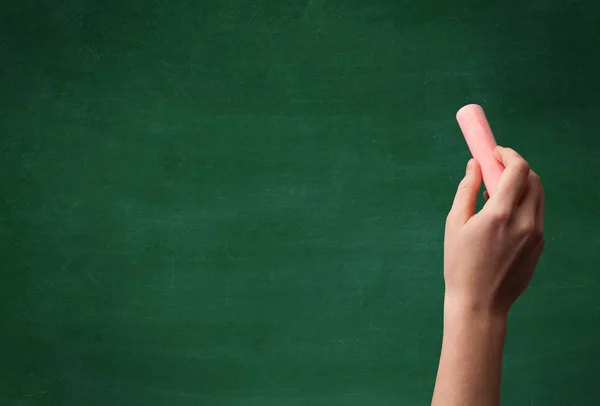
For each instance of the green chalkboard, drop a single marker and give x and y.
(242, 202)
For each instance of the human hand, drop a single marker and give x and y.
(490, 256)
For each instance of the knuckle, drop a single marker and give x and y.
(535, 179)
(464, 185)
(522, 166)
(528, 229)
(512, 154)
(502, 215)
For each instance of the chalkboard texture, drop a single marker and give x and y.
(242, 202)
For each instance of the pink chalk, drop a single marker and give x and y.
(481, 142)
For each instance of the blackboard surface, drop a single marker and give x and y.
(242, 202)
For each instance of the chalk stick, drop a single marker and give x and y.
(481, 142)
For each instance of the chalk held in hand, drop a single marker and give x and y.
(481, 142)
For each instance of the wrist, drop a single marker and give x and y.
(465, 312)
(472, 331)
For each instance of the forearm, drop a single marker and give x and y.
(471, 361)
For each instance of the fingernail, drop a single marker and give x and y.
(496, 153)
(469, 165)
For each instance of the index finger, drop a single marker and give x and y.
(513, 179)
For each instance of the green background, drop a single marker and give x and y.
(242, 202)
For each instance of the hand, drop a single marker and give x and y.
(490, 256)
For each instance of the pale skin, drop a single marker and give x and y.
(489, 259)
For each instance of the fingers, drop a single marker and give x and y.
(514, 178)
(486, 195)
(531, 200)
(465, 200)
(527, 211)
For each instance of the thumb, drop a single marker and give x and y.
(465, 200)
